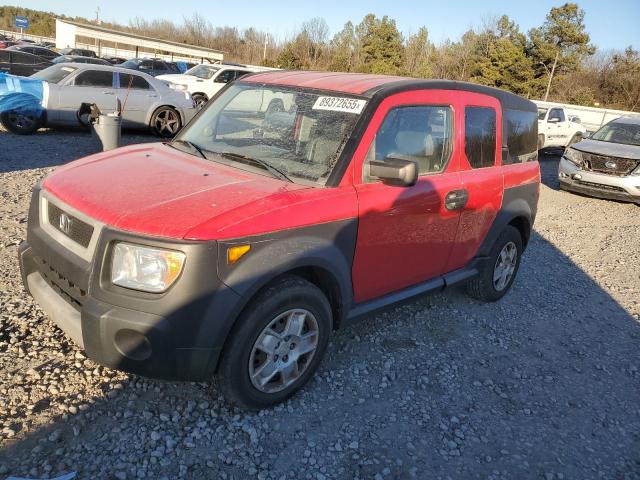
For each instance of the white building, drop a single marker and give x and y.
(108, 42)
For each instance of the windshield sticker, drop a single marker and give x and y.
(340, 104)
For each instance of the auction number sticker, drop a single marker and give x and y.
(340, 104)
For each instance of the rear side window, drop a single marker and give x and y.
(135, 82)
(22, 58)
(419, 133)
(94, 78)
(480, 136)
(520, 129)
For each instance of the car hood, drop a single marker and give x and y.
(608, 148)
(179, 78)
(157, 190)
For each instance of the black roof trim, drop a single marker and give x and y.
(506, 99)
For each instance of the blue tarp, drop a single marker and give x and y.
(21, 95)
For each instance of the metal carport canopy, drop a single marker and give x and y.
(67, 31)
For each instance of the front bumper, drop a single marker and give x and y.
(177, 335)
(611, 187)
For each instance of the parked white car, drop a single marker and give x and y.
(204, 81)
(555, 128)
(146, 102)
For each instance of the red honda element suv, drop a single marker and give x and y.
(292, 203)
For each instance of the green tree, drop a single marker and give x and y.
(380, 42)
(560, 44)
(501, 60)
(343, 49)
(417, 53)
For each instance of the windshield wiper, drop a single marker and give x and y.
(191, 145)
(267, 166)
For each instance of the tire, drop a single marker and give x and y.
(540, 142)
(165, 122)
(243, 357)
(200, 99)
(484, 287)
(20, 124)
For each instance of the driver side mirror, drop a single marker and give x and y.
(553, 120)
(395, 171)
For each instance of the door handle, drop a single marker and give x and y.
(456, 199)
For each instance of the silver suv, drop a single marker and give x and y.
(607, 164)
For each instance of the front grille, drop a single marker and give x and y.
(609, 165)
(77, 230)
(599, 186)
(72, 293)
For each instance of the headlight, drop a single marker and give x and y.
(145, 268)
(573, 155)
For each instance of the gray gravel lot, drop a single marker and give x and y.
(544, 384)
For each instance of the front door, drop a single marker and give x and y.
(405, 234)
(557, 128)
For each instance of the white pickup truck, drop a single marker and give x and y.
(204, 81)
(558, 129)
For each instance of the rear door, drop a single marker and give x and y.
(88, 86)
(136, 95)
(406, 234)
(23, 64)
(480, 173)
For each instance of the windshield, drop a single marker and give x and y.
(619, 132)
(130, 64)
(542, 112)
(55, 73)
(202, 71)
(294, 131)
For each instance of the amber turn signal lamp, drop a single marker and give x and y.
(236, 252)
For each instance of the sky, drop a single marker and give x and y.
(612, 24)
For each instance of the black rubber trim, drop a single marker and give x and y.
(596, 192)
(520, 202)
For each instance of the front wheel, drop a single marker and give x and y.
(497, 276)
(276, 345)
(166, 122)
(19, 123)
(200, 99)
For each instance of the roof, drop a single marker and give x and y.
(96, 28)
(631, 119)
(369, 85)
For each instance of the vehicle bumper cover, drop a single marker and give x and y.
(178, 335)
(611, 187)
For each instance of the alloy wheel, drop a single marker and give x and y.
(283, 350)
(505, 266)
(167, 122)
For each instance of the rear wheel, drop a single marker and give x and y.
(276, 345)
(200, 99)
(166, 122)
(500, 271)
(540, 142)
(20, 123)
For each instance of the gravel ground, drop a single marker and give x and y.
(544, 384)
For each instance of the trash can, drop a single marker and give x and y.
(107, 130)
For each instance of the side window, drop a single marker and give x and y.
(94, 78)
(240, 74)
(146, 65)
(159, 66)
(557, 113)
(520, 134)
(135, 82)
(22, 58)
(420, 133)
(226, 76)
(480, 136)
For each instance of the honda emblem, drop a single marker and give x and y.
(65, 223)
